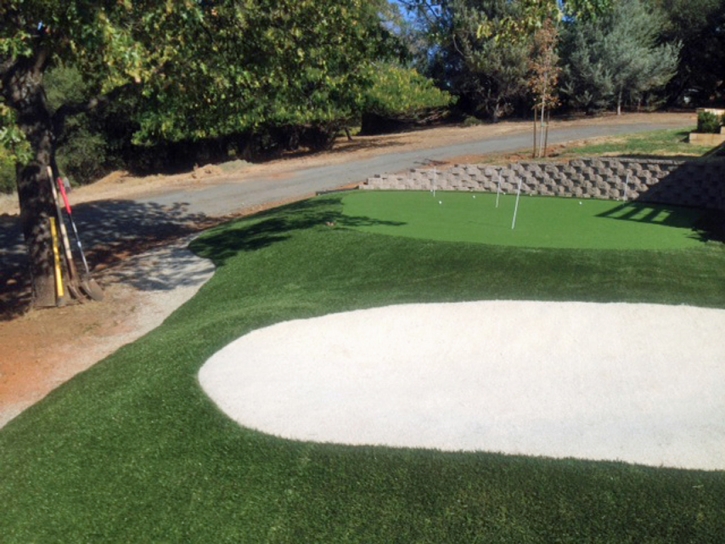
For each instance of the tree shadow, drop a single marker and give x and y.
(15, 293)
(706, 225)
(116, 236)
(278, 225)
(698, 188)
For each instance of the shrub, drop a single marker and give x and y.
(81, 154)
(708, 123)
(471, 121)
(7, 172)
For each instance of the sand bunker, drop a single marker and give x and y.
(638, 383)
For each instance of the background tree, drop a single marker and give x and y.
(486, 75)
(494, 74)
(699, 25)
(639, 63)
(544, 80)
(400, 97)
(587, 79)
(618, 57)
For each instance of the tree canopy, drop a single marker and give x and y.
(199, 68)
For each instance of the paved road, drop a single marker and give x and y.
(228, 198)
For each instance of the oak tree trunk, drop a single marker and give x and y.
(24, 93)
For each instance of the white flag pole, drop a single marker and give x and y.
(498, 190)
(516, 207)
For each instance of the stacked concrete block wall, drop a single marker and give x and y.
(688, 183)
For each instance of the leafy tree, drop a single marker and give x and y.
(544, 80)
(7, 171)
(637, 61)
(83, 152)
(402, 96)
(281, 63)
(617, 57)
(700, 26)
(204, 69)
(478, 49)
(494, 74)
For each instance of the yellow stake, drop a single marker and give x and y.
(56, 259)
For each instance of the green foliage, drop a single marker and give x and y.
(617, 57)
(82, 156)
(479, 49)
(697, 24)
(83, 152)
(12, 140)
(708, 122)
(494, 72)
(288, 63)
(7, 171)
(212, 69)
(399, 92)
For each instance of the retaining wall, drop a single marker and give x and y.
(698, 183)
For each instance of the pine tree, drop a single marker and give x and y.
(617, 58)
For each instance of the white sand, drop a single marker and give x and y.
(638, 383)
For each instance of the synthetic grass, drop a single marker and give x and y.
(542, 222)
(133, 451)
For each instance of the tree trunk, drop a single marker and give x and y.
(619, 102)
(24, 93)
(543, 118)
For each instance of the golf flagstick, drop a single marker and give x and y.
(516, 208)
(498, 189)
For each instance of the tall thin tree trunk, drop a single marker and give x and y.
(619, 102)
(533, 154)
(543, 118)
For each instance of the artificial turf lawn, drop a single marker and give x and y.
(133, 451)
(543, 222)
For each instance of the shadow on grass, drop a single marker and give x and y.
(277, 225)
(706, 225)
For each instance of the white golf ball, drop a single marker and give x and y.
(580, 202)
(440, 202)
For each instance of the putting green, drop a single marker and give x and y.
(545, 222)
